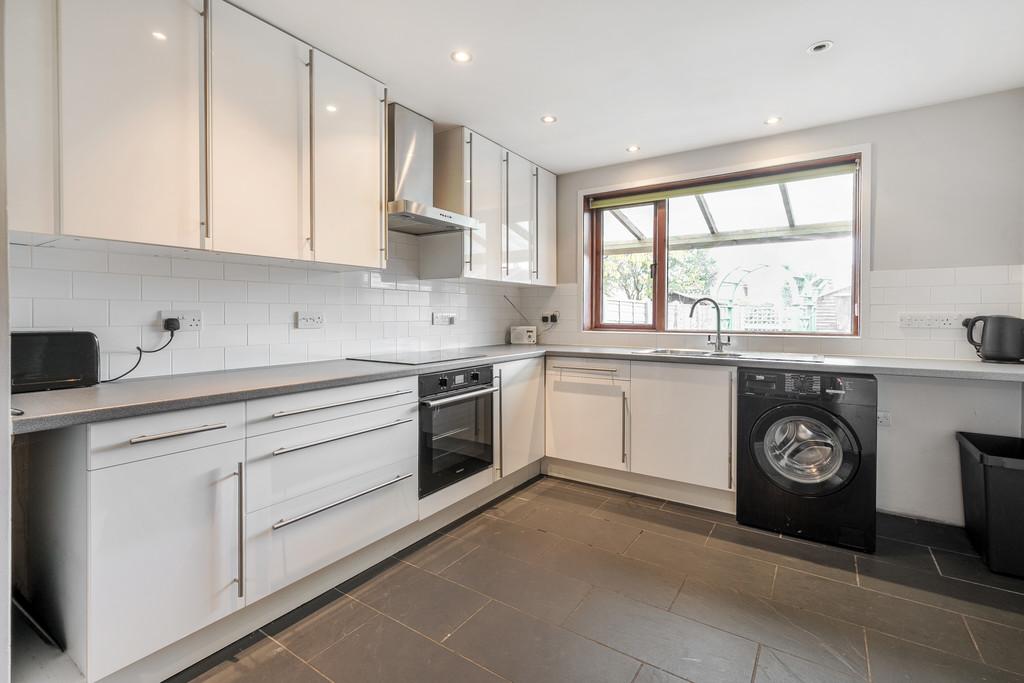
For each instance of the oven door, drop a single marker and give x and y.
(456, 437)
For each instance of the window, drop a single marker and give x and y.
(777, 248)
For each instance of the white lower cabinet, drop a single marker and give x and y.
(588, 413)
(295, 538)
(163, 552)
(682, 422)
(520, 414)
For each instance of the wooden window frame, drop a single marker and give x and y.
(593, 223)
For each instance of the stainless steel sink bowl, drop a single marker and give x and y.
(750, 355)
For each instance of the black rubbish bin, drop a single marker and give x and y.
(992, 475)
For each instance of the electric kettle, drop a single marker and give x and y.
(1002, 338)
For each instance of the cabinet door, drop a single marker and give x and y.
(259, 156)
(30, 87)
(519, 219)
(683, 423)
(486, 176)
(348, 218)
(130, 114)
(521, 403)
(588, 420)
(544, 259)
(164, 560)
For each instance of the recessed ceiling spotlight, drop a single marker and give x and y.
(159, 36)
(461, 57)
(548, 118)
(331, 108)
(819, 47)
(633, 148)
(772, 120)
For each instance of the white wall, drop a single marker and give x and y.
(946, 181)
(117, 291)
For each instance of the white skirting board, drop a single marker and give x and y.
(689, 494)
(201, 644)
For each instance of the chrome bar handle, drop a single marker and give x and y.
(240, 473)
(280, 524)
(339, 404)
(385, 248)
(623, 426)
(146, 438)
(536, 224)
(312, 157)
(469, 233)
(580, 369)
(732, 431)
(207, 116)
(458, 399)
(331, 439)
(500, 470)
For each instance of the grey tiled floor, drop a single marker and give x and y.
(567, 582)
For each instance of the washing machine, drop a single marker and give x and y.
(806, 452)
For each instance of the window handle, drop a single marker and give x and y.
(654, 269)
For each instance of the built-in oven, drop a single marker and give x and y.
(456, 426)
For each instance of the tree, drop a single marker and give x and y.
(628, 276)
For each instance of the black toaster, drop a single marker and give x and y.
(53, 360)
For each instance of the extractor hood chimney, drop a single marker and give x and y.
(411, 177)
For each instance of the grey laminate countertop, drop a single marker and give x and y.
(64, 408)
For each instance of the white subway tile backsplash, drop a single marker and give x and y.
(1001, 294)
(286, 275)
(222, 290)
(306, 294)
(117, 338)
(139, 264)
(369, 330)
(136, 312)
(106, 286)
(370, 297)
(19, 256)
(222, 335)
(198, 269)
(888, 278)
(196, 360)
(268, 334)
(176, 289)
(266, 292)
(323, 350)
(956, 294)
(246, 357)
(931, 277)
(239, 313)
(983, 275)
(246, 272)
(68, 313)
(69, 259)
(281, 354)
(21, 313)
(40, 284)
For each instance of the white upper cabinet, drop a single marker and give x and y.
(520, 218)
(683, 423)
(259, 137)
(486, 205)
(512, 199)
(544, 245)
(30, 89)
(130, 136)
(349, 221)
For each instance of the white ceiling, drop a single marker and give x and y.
(668, 75)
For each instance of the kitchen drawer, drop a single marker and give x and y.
(322, 527)
(295, 410)
(588, 367)
(136, 438)
(312, 457)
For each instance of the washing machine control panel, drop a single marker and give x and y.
(815, 386)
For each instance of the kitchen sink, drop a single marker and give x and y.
(689, 353)
(750, 355)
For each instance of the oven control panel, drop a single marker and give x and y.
(455, 380)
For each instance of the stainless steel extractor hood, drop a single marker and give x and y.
(411, 172)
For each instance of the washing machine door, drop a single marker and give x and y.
(805, 450)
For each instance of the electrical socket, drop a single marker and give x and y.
(442, 318)
(190, 320)
(884, 418)
(941, 320)
(309, 320)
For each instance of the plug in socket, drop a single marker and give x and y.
(190, 320)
